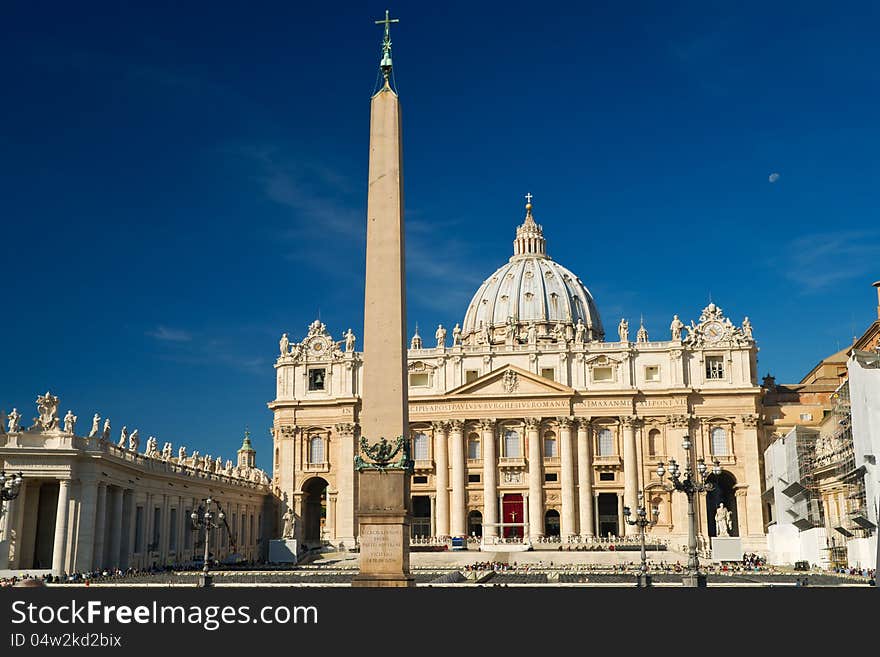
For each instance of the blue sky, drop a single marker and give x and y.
(181, 183)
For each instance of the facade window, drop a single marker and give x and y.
(316, 378)
(420, 447)
(606, 442)
(719, 442)
(316, 449)
(473, 478)
(420, 479)
(419, 380)
(606, 476)
(548, 373)
(551, 477)
(652, 373)
(602, 374)
(550, 445)
(715, 367)
(511, 444)
(806, 417)
(471, 375)
(473, 447)
(654, 442)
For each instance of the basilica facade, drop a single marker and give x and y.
(529, 419)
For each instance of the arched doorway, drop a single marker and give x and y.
(551, 523)
(475, 524)
(314, 510)
(723, 493)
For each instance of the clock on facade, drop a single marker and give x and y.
(713, 331)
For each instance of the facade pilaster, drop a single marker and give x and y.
(586, 505)
(115, 527)
(459, 477)
(566, 460)
(490, 478)
(346, 504)
(441, 459)
(536, 483)
(100, 526)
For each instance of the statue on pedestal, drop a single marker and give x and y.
(532, 333)
(676, 327)
(456, 336)
(349, 340)
(105, 433)
(289, 524)
(47, 406)
(134, 441)
(69, 423)
(747, 328)
(181, 455)
(723, 521)
(14, 421)
(441, 337)
(284, 345)
(485, 336)
(623, 330)
(96, 420)
(580, 332)
(123, 437)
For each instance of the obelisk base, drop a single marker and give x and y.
(384, 523)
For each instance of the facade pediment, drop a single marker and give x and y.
(511, 380)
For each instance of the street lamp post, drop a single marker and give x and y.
(642, 521)
(207, 522)
(10, 487)
(690, 484)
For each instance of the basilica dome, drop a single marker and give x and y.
(530, 289)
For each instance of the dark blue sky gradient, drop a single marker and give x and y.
(181, 182)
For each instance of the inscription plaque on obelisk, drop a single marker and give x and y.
(383, 472)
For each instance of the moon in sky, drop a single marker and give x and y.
(773, 177)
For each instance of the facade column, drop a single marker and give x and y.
(526, 524)
(490, 478)
(100, 527)
(129, 527)
(585, 480)
(752, 523)
(596, 512)
(459, 476)
(536, 479)
(331, 518)
(61, 518)
(433, 498)
(346, 504)
(621, 525)
(566, 461)
(678, 428)
(115, 527)
(742, 514)
(441, 458)
(630, 468)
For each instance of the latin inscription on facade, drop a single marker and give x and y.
(525, 405)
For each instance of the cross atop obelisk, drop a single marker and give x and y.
(385, 64)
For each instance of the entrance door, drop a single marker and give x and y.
(608, 514)
(512, 511)
(421, 516)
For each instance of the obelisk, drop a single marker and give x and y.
(384, 493)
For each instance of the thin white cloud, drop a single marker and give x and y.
(166, 334)
(773, 177)
(819, 261)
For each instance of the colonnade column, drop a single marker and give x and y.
(536, 483)
(459, 476)
(100, 526)
(115, 527)
(61, 516)
(490, 478)
(630, 468)
(85, 536)
(441, 465)
(568, 527)
(585, 479)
